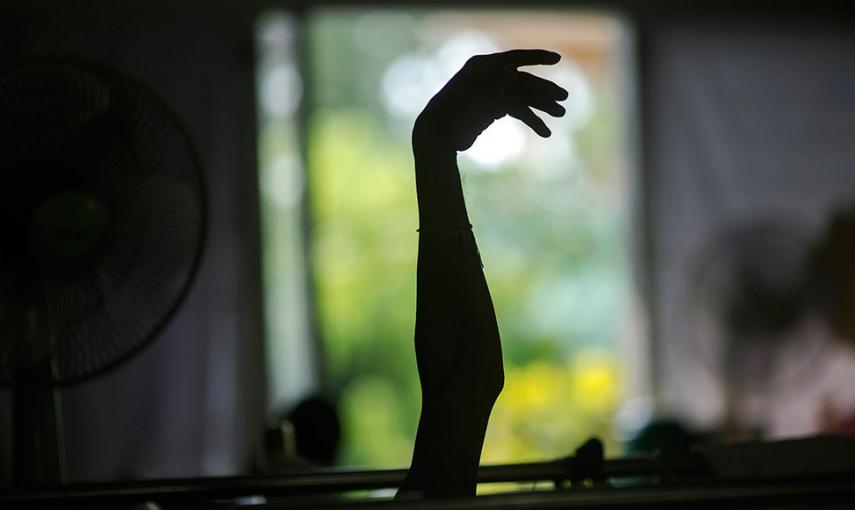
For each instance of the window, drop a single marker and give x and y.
(340, 218)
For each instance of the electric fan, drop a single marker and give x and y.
(102, 212)
(748, 293)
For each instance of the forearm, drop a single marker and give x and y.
(438, 187)
(457, 339)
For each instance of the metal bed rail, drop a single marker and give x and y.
(336, 481)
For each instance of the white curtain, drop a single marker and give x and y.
(748, 122)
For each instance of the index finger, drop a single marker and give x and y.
(517, 58)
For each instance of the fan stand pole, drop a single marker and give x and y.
(37, 432)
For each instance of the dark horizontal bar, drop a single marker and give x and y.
(778, 495)
(330, 481)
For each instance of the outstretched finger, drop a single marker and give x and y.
(525, 114)
(527, 84)
(517, 58)
(545, 105)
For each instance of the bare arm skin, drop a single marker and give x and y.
(458, 349)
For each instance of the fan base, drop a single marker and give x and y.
(38, 449)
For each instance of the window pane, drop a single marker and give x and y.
(549, 216)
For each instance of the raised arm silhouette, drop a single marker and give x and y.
(458, 350)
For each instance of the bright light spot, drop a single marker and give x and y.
(250, 501)
(560, 157)
(275, 31)
(281, 90)
(408, 84)
(502, 142)
(580, 105)
(411, 80)
(554, 159)
(460, 47)
(283, 181)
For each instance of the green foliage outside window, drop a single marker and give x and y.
(548, 215)
(553, 247)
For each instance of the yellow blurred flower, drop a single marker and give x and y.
(549, 408)
(595, 380)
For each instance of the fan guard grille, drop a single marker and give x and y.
(103, 214)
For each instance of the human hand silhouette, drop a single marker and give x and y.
(487, 88)
(457, 341)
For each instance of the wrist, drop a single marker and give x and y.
(438, 187)
(430, 139)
